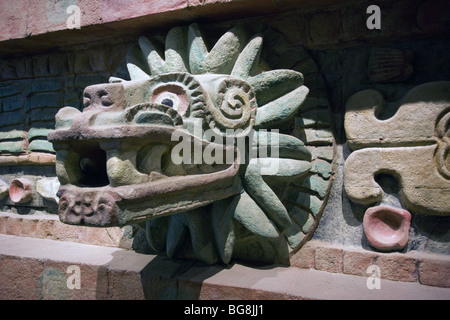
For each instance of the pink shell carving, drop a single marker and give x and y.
(387, 228)
(21, 190)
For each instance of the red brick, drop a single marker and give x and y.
(18, 278)
(304, 258)
(3, 223)
(357, 262)
(329, 259)
(435, 272)
(29, 227)
(397, 267)
(44, 229)
(13, 226)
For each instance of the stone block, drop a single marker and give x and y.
(434, 271)
(12, 147)
(329, 259)
(39, 145)
(3, 224)
(18, 278)
(304, 258)
(397, 267)
(61, 64)
(12, 118)
(13, 103)
(43, 114)
(23, 67)
(47, 100)
(9, 88)
(13, 226)
(40, 65)
(356, 262)
(47, 84)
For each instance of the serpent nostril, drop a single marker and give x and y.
(86, 100)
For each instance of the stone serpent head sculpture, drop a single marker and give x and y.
(163, 150)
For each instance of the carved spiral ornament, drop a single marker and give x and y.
(236, 107)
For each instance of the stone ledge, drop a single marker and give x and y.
(49, 227)
(425, 268)
(37, 269)
(413, 266)
(28, 27)
(26, 24)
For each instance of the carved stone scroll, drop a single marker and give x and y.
(412, 146)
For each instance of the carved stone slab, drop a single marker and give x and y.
(412, 146)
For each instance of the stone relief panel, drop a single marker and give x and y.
(412, 146)
(215, 154)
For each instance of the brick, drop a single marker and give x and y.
(47, 100)
(357, 262)
(84, 80)
(82, 64)
(65, 232)
(13, 103)
(44, 229)
(12, 147)
(97, 60)
(329, 259)
(13, 226)
(48, 84)
(40, 65)
(38, 145)
(11, 135)
(44, 114)
(7, 70)
(24, 68)
(60, 64)
(435, 272)
(397, 267)
(3, 224)
(9, 89)
(28, 227)
(11, 118)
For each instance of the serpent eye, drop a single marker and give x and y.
(173, 96)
